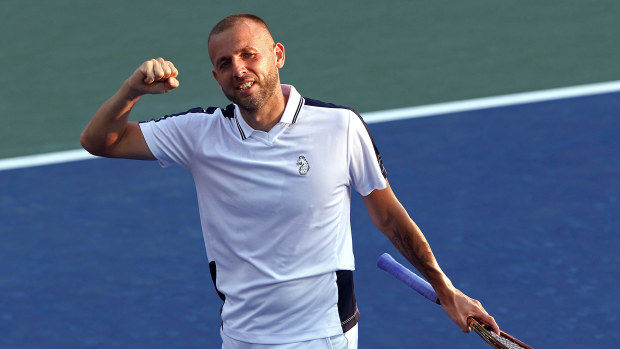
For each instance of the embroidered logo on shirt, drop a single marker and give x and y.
(304, 167)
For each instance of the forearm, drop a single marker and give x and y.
(391, 218)
(109, 123)
(409, 240)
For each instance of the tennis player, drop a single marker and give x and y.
(273, 173)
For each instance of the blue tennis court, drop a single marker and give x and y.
(521, 205)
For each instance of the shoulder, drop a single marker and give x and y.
(317, 107)
(326, 105)
(347, 114)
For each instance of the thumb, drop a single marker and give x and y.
(172, 83)
(164, 86)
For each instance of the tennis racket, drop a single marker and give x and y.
(503, 341)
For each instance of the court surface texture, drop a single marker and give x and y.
(520, 203)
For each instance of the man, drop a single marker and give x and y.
(273, 173)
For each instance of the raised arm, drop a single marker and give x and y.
(110, 133)
(392, 219)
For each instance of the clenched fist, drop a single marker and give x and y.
(154, 76)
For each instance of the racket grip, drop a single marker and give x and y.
(389, 264)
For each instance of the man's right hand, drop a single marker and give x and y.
(154, 76)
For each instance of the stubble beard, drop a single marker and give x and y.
(255, 102)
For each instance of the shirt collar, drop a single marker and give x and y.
(290, 115)
(293, 106)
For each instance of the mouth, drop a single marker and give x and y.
(246, 85)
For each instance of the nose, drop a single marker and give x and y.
(239, 69)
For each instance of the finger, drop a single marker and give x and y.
(173, 70)
(170, 71)
(489, 320)
(158, 69)
(484, 317)
(166, 67)
(466, 325)
(147, 69)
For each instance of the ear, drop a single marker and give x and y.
(278, 49)
(215, 77)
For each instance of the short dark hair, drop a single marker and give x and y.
(233, 20)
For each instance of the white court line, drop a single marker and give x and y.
(373, 117)
(491, 102)
(44, 159)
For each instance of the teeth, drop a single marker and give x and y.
(247, 85)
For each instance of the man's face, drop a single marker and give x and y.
(245, 64)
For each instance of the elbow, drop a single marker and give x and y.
(86, 143)
(91, 145)
(387, 225)
(390, 230)
(394, 224)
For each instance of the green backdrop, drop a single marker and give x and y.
(61, 59)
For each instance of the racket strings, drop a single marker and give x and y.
(506, 342)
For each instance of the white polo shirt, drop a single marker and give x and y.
(275, 209)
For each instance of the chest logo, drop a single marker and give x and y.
(304, 167)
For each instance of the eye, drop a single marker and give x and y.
(224, 64)
(248, 55)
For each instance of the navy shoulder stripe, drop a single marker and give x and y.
(212, 110)
(229, 112)
(317, 103)
(191, 111)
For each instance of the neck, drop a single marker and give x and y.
(268, 115)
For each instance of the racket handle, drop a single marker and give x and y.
(389, 264)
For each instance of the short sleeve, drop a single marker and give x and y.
(366, 170)
(172, 139)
